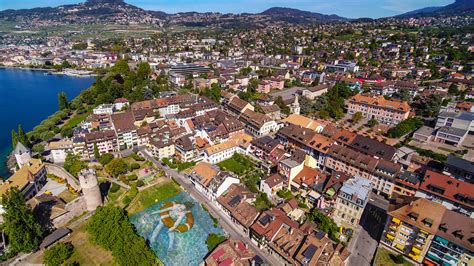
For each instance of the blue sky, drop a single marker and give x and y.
(346, 8)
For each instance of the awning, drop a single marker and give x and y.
(395, 220)
(390, 236)
(416, 251)
(399, 247)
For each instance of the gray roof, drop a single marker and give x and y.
(453, 131)
(469, 116)
(425, 131)
(358, 186)
(460, 163)
(54, 236)
(20, 148)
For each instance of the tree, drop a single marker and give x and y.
(57, 254)
(143, 70)
(24, 233)
(73, 165)
(22, 137)
(96, 152)
(116, 167)
(110, 228)
(283, 107)
(38, 148)
(14, 138)
(404, 127)
(121, 67)
(453, 89)
(372, 122)
(213, 240)
(63, 102)
(356, 117)
(106, 158)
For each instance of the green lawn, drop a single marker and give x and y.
(385, 258)
(152, 195)
(237, 164)
(75, 120)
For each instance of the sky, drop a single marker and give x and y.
(345, 8)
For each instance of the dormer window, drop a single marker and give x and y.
(443, 227)
(428, 222)
(413, 216)
(458, 234)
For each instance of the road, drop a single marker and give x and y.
(368, 233)
(224, 220)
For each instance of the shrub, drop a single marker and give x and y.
(132, 177)
(404, 127)
(134, 166)
(137, 157)
(116, 167)
(106, 158)
(213, 240)
(110, 228)
(58, 253)
(140, 183)
(114, 188)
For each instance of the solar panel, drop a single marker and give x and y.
(309, 252)
(235, 200)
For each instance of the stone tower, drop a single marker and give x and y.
(90, 188)
(295, 106)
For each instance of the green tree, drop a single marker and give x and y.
(121, 67)
(116, 167)
(106, 158)
(96, 152)
(63, 102)
(22, 137)
(24, 233)
(73, 164)
(213, 240)
(57, 254)
(38, 148)
(356, 117)
(110, 228)
(14, 138)
(283, 107)
(372, 122)
(143, 70)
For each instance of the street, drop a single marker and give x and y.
(224, 220)
(368, 232)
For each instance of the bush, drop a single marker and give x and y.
(134, 166)
(114, 188)
(110, 228)
(116, 167)
(213, 240)
(132, 177)
(140, 183)
(372, 122)
(404, 127)
(106, 158)
(137, 157)
(58, 253)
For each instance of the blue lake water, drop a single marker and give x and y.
(173, 248)
(27, 97)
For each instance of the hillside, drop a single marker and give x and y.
(458, 8)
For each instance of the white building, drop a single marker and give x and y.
(104, 109)
(22, 154)
(60, 149)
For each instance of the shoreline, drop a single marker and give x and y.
(50, 71)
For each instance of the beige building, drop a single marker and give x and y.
(376, 107)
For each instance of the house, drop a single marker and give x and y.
(411, 226)
(278, 234)
(185, 148)
(454, 194)
(231, 252)
(351, 201)
(121, 103)
(263, 86)
(263, 147)
(258, 124)
(60, 149)
(29, 179)
(290, 167)
(125, 130)
(104, 109)
(272, 111)
(219, 152)
(313, 92)
(318, 249)
(270, 185)
(162, 148)
(390, 112)
(460, 168)
(372, 147)
(303, 121)
(22, 154)
(238, 106)
(236, 202)
(459, 120)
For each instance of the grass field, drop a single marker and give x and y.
(75, 120)
(237, 164)
(152, 195)
(86, 253)
(385, 258)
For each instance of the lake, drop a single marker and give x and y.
(27, 97)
